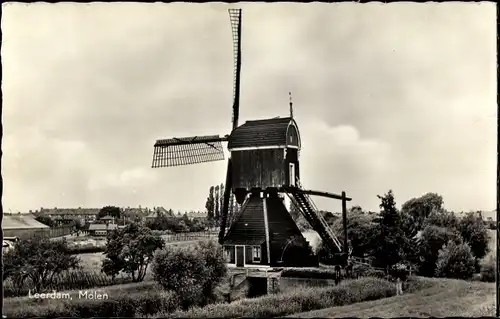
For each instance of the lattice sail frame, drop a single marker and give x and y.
(235, 18)
(188, 150)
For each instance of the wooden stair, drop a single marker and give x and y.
(314, 217)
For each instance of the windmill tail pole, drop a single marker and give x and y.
(344, 220)
(225, 203)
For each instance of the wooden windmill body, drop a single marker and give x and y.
(262, 169)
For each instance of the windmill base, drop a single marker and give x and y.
(265, 235)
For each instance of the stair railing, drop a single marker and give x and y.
(320, 217)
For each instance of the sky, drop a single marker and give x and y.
(397, 96)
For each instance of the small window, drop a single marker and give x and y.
(256, 253)
(291, 138)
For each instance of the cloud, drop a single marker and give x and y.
(336, 159)
(399, 96)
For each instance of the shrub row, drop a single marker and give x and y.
(86, 249)
(329, 273)
(67, 281)
(325, 273)
(154, 302)
(121, 305)
(298, 300)
(123, 299)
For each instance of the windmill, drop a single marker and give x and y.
(262, 169)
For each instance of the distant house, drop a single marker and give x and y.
(131, 213)
(197, 215)
(101, 229)
(156, 212)
(60, 215)
(106, 219)
(22, 226)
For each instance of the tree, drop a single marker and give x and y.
(209, 205)
(112, 211)
(421, 207)
(442, 218)
(362, 232)
(198, 224)
(39, 259)
(191, 272)
(410, 229)
(390, 239)
(79, 224)
(221, 201)
(475, 233)
(215, 267)
(328, 216)
(488, 269)
(46, 220)
(130, 250)
(216, 205)
(455, 260)
(431, 241)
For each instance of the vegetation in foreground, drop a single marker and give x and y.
(431, 297)
(434, 241)
(151, 301)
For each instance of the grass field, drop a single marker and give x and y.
(446, 297)
(113, 291)
(93, 261)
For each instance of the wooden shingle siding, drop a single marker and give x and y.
(254, 231)
(260, 133)
(281, 226)
(258, 168)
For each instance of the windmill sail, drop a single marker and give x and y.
(235, 17)
(188, 150)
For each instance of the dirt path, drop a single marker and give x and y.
(446, 298)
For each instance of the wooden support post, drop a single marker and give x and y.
(344, 221)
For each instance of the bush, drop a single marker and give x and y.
(376, 273)
(360, 270)
(124, 304)
(85, 250)
(67, 281)
(455, 261)
(488, 269)
(39, 260)
(475, 233)
(432, 240)
(299, 300)
(325, 273)
(191, 272)
(130, 250)
(147, 300)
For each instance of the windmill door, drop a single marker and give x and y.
(291, 174)
(240, 256)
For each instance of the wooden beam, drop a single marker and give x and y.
(266, 224)
(344, 221)
(323, 194)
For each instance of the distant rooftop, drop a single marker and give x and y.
(69, 211)
(102, 227)
(21, 221)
